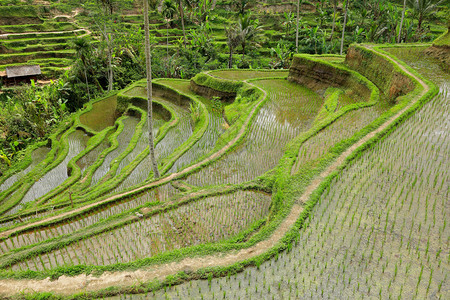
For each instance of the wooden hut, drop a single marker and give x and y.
(21, 74)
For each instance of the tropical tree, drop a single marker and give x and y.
(299, 2)
(180, 6)
(82, 48)
(401, 22)
(343, 29)
(314, 38)
(288, 21)
(240, 6)
(168, 12)
(248, 29)
(203, 42)
(283, 56)
(108, 5)
(423, 8)
(148, 64)
(335, 3)
(233, 40)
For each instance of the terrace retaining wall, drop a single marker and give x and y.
(319, 75)
(389, 79)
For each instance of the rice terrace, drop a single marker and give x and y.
(234, 149)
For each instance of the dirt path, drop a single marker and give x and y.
(70, 285)
(5, 35)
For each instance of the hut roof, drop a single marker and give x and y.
(19, 71)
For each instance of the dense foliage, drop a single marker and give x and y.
(192, 36)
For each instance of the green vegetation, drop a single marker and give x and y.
(275, 174)
(443, 40)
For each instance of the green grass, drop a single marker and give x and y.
(443, 40)
(24, 57)
(288, 138)
(46, 26)
(240, 75)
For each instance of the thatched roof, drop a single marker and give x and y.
(19, 71)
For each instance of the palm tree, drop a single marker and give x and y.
(168, 12)
(335, 2)
(148, 64)
(82, 48)
(401, 22)
(345, 23)
(424, 8)
(233, 40)
(180, 6)
(248, 30)
(299, 2)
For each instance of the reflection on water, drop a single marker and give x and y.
(102, 115)
(77, 142)
(37, 156)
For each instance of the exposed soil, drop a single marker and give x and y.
(20, 21)
(209, 93)
(81, 283)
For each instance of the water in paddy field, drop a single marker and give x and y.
(379, 231)
(290, 110)
(206, 143)
(37, 156)
(248, 74)
(205, 220)
(71, 226)
(123, 139)
(102, 115)
(343, 128)
(77, 141)
(90, 158)
(169, 143)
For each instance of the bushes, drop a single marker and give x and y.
(30, 114)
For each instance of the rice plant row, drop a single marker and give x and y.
(289, 110)
(248, 74)
(77, 142)
(36, 157)
(207, 220)
(378, 231)
(345, 127)
(46, 233)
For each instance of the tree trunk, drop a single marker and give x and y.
(401, 22)
(334, 19)
(148, 64)
(86, 80)
(230, 59)
(182, 21)
(298, 20)
(343, 29)
(110, 69)
(419, 25)
(167, 37)
(243, 50)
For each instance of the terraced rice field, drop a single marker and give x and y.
(36, 37)
(232, 192)
(380, 229)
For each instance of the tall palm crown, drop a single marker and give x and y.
(248, 30)
(423, 8)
